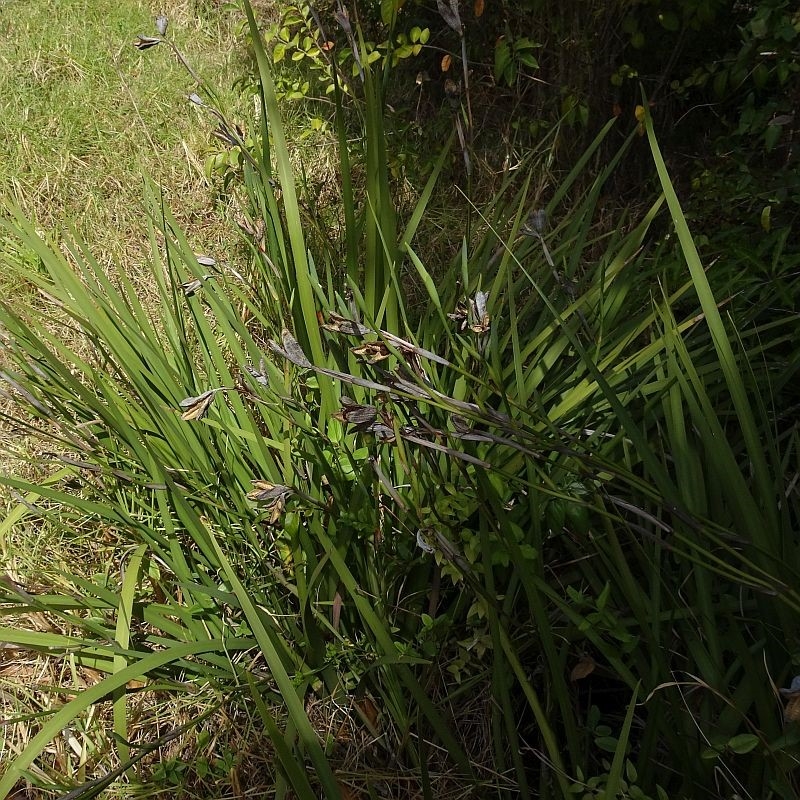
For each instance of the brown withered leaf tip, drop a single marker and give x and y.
(363, 418)
(356, 414)
(582, 669)
(290, 349)
(338, 324)
(372, 352)
(195, 408)
(265, 492)
(146, 42)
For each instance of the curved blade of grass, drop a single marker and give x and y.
(613, 786)
(722, 345)
(123, 637)
(305, 315)
(293, 768)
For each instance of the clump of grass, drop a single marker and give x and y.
(86, 116)
(534, 493)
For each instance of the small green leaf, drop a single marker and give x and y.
(607, 743)
(669, 21)
(602, 600)
(389, 9)
(721, 83)
(502, 59)
(743, 743)
(771, 137)
(760, 75)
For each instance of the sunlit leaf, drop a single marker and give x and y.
(195, 408)
(146, 42)
(265, 491)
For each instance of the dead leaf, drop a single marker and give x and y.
(369, 710)
(449, 13)
(236, 784)
(264, 491)
(363, 418)
(291, 351)
(582, 669)
(197, 407)
(372, 352)
(478, 8)
(339, 324)
(336, 610)
(352, 413)
(348, 793)
(479, 318)
(447, 61)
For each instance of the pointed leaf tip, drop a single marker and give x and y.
(146, 42)
(197, 407)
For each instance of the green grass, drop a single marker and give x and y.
(85, 116)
